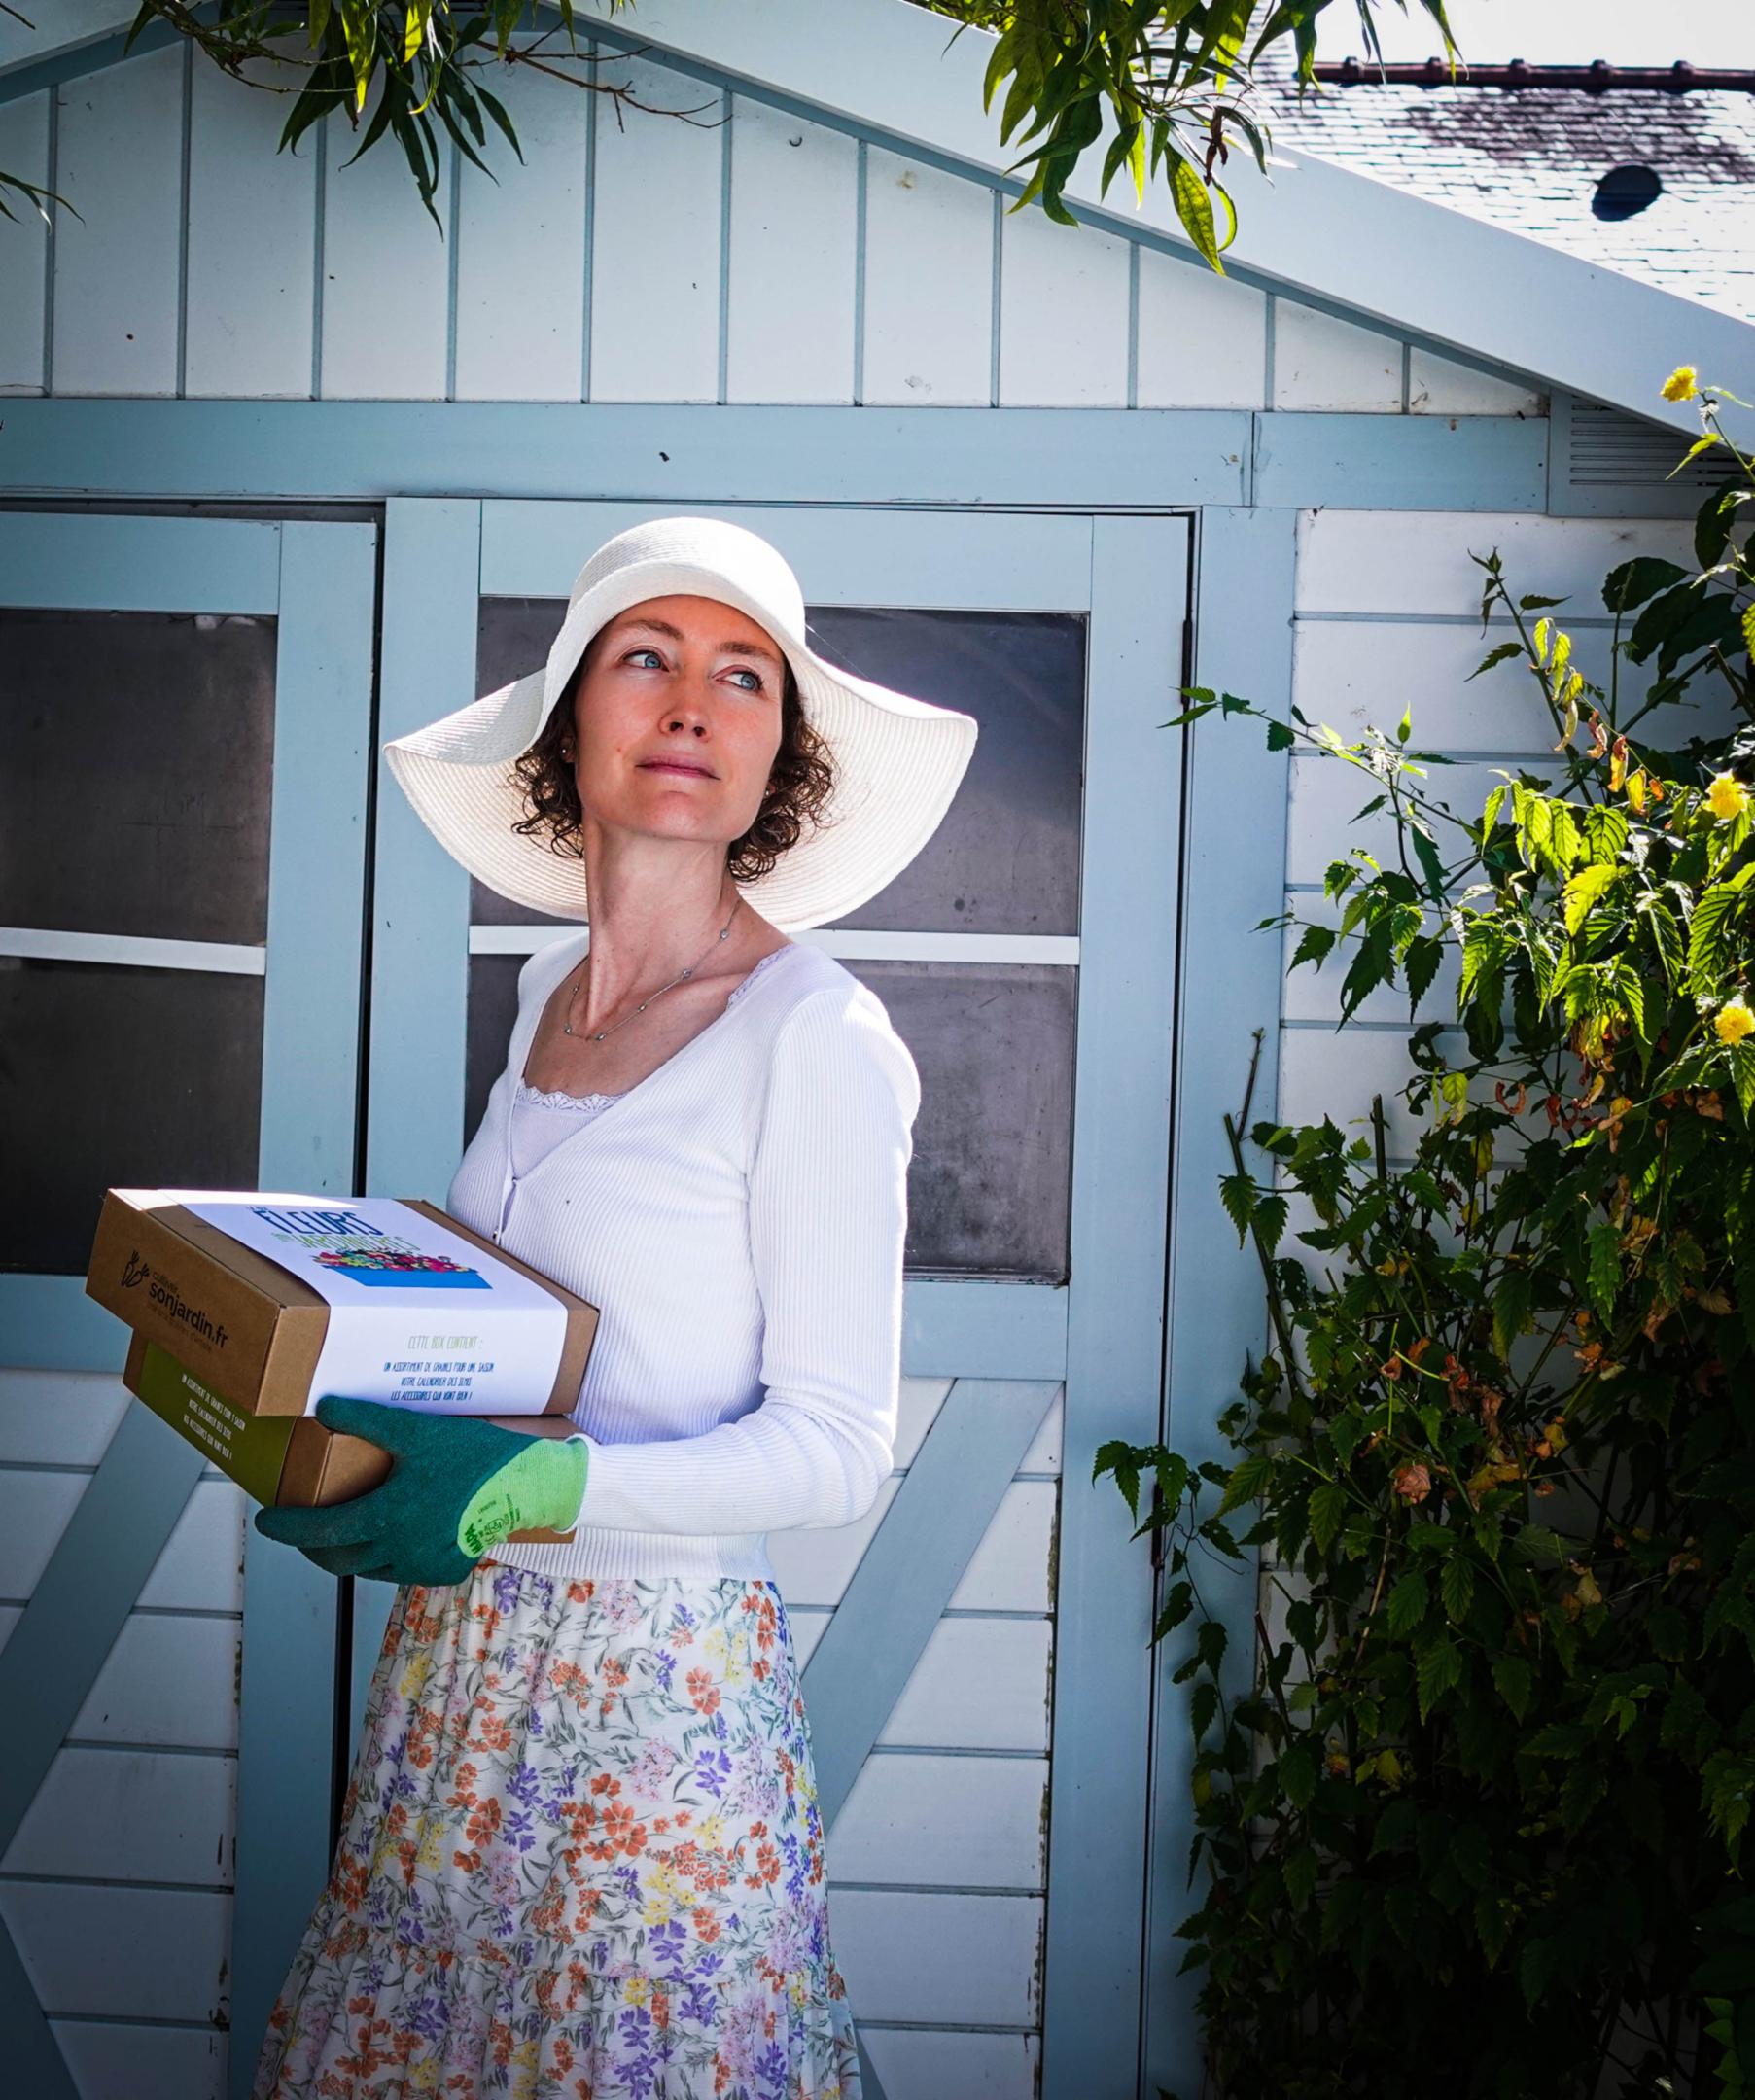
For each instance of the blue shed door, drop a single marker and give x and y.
(184, 712)
(978, 1676)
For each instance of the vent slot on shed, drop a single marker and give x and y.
(1607, 463)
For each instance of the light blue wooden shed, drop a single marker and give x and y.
(283, 474)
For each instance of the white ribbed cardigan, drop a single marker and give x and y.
(738, 1220)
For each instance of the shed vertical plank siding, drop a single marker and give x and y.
(116, 2061)
(1320, 362)
(600, 270)
(928, 285)
(123, 1815)
(118, 1882)
(119, 162)
(924, 2066)
(1439, 386)
(1355, 678)
(198, 1570)
(1387, 605)
(656, 239)
(942, 1961)
(1063, 314)
(24, 249)
(386, 278)
(522, 246)
(1203, 339)
(1376, 562)
(793, 247)
(951, 1807)
(123, 1953)
(252, 240)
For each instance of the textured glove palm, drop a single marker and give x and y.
(457, 1486)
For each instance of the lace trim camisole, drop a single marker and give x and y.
(540, 1120)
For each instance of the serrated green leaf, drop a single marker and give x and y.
(1604, 1270)
(1298, 1776)
(1327, 1510)
(1493, 1926)
(1203, 1707)
(1249, 1477)
(1346, 1432)
(1512, 1304)
(1430, 865)
(1458, 1587)
(1710, 932)
(1179, 1602)
(1585, 889)
(1540, 1544)
(1536, 1967)
(1513, 1680)
(1583, 1787)
(1558, 1739)
(1237, 1192)
(1408, 1601)
(1635, 582)
(1438, 1670)
(1122, 1460)
(1299, 1874)
(1315, 945)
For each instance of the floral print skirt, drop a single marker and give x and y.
(580, 1856)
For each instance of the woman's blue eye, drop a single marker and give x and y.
(743, 673)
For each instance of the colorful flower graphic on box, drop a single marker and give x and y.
(400, 1269)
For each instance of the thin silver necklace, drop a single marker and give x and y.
(568, 1028)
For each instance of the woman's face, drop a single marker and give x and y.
(677, 719)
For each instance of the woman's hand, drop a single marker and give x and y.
(457, 1486)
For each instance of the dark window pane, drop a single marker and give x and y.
(990, 1186)
(1006, 857)
(138, 760)
(514, 636)
(115, 1077)
(493, 1008)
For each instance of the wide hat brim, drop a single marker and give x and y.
(897, 761)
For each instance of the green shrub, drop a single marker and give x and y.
(1475, 1823)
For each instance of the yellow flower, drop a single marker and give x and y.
(1727, 796)
(1734, 1021)
(1681, 384)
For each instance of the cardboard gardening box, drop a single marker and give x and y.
(227, 1343)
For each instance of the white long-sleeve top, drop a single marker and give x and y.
(738, 1220)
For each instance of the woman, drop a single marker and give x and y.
(581, 1851)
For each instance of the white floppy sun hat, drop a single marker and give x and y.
(897, 761)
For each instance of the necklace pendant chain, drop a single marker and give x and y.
(567, 1028)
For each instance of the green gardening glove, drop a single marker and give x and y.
(457, 1486)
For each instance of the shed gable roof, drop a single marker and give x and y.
(1530, 158)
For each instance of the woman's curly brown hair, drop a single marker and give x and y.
(800, 784)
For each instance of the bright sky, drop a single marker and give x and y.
(1555, 32)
